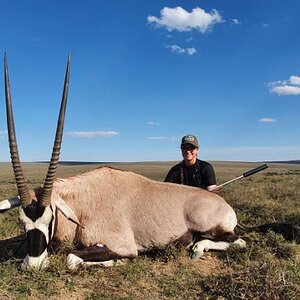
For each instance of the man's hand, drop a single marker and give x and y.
(214, 188)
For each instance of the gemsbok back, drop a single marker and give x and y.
(111, 214)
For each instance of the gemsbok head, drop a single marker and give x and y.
(36, 211)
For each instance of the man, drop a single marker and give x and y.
(192, 171)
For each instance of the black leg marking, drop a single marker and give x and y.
(13, 247)
(96, 253)
(215, 236)
(184, 240)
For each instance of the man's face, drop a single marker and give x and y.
(189, 152)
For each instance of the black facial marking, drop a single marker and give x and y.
(34, 211)
(50, 228)
(36, 242)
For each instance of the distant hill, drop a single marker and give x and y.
(284, 161)
(71, 163)
(75, 163)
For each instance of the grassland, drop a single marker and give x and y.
(268, 268)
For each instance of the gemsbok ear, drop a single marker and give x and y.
(65, 209)
(9, 204)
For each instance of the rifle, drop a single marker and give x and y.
(246, 174)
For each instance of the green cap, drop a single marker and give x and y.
(190, 139)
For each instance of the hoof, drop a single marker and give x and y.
(197, 251)
(240, 242)
(73, 262)
(197, 254)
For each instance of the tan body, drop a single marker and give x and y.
(129, 213)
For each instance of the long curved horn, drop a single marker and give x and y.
(48, 183)
(14, 153)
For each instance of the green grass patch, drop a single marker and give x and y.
(268, 268)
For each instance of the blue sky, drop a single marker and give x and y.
(145, 73)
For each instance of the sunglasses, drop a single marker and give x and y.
(191, 149)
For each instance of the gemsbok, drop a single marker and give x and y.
(111, 214)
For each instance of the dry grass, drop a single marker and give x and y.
(269, 268)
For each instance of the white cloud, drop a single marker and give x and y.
(178, 49)
(290, 86)
(175, 48)
(294, 80)
(235, 21)
(191, 51)
(3, 134)
(285, 90)
(181, 20)
(266, 120)
(166, 138)
(152, 123)
(92, 134)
